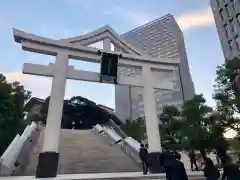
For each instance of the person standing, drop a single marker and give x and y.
(167, 159)
(177, 170)
(211, 172)
(193, 161)
(230, 170)
(143, 154)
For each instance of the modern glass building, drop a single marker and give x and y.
(159, 38)
(227, 17)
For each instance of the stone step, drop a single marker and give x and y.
(82, 151)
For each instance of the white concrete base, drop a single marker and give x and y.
(133, 175)
(5, 171)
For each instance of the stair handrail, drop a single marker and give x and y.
(23, 139)
(112, 135)
(99, 128)
(117, 129)
(23, 157)
(133, 143)
(130, 150)
(5, 159)
(11, 154)
(129, 145)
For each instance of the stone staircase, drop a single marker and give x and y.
(83, 151)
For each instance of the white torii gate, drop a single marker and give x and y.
(60, 71)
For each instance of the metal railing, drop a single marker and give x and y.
(126, 143)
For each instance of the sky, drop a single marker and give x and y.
(68, 18)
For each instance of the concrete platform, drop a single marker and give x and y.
(108, 176)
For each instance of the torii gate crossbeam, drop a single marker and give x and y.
(60, 71)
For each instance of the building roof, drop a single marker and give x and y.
(100, 105)
(98, 35)
(33, 101)
(148, 24)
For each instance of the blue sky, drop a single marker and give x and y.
(68, 18)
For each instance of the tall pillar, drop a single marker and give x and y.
(151, 121)
(48, 159)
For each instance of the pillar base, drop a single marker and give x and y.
(5, 171)
(154, 163)
(47, 165)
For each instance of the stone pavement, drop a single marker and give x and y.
(109, 176)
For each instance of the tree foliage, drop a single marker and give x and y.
(171, 122)
(135, 128)
(194, 126)
(81, 112)
(196, 129)
(227, 94)
(12, 99)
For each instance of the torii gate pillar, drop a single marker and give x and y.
(60, 71)
(48, 159)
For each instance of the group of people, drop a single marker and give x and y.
(175, 170)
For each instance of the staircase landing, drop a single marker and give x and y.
(109, 176)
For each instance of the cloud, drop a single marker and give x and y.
(13, 77)
(41, 88)
(188, 20)
(195, 19)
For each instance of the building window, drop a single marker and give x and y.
(228, 10)
(238, 18)
(234, 26)
(230, 45)
(227, 31)
(238, 42)
(222, 14)
(233, 4)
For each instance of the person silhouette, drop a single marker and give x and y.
(177, 170)
(143, 155)
(211, 172)
(167, 159)
(230, 170)
(193, 161)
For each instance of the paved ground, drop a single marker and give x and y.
(108, 176)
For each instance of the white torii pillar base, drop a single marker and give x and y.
(154, 143)
(48, 160)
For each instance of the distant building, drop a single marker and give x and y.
(110, 110)
(34, 105)
(159, 38)
(227, 17)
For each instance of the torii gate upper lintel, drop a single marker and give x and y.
(100, 34)
(60, 71)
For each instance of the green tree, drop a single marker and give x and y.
(195, 126)
(189, 127)
(135, 128)
(12, 99)
(196, 131)
(169, 128)
(227, 94)
(216, 124)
